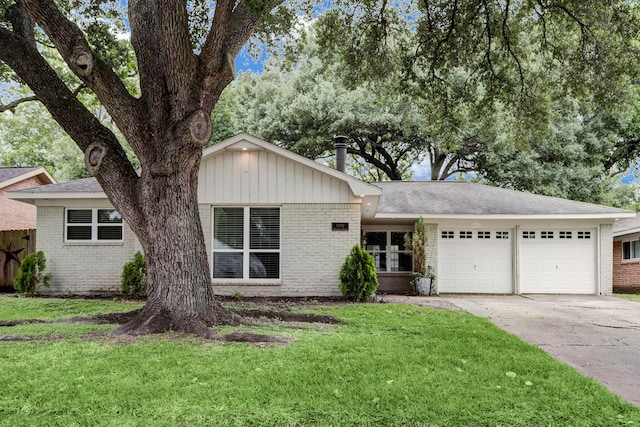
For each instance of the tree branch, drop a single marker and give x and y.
(89, 68)
(76, 120)
(13, 104)
(178, 60)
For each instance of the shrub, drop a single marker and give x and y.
(358, 279)
(134, 277)
(30, 273)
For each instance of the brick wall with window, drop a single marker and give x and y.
(626, 272)
(310, 250)
(87, 266)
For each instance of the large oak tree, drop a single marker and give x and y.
(185, 51)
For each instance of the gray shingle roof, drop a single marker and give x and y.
(465, 198)
(86, 185)
(628, 225)
(10, 173)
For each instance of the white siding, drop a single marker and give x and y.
(263, 177)
(80, 268)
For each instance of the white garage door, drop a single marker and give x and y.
(558, 261)
(475, 261)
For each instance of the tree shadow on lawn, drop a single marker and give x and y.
(253, 316)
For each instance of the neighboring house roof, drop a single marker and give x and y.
(460, 199)
(627, 226)
(12, 175)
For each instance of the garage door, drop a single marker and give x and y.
(558, 261)
(475, 261)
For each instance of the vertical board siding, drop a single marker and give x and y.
(21, 243)
(263, 177)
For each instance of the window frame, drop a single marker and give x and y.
(631, 257)
(246, 250)
(95, 226)
(390, 254)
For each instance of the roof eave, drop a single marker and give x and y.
(31, 197)
(611, 215)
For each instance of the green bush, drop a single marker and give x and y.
(134, 277)
(358, 279)
(30, 273)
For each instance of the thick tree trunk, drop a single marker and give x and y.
(180, 296)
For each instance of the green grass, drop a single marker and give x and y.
(631, 297)
(384, 365)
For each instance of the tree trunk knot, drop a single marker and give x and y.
(93, 156)
(200, 127)
(82, 59)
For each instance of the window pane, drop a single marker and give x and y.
(228, 231)
(375, 240)
(109, 216)
(79, 232)
(110, 233)
(635, 249)
(264, 266)
(79, 216)
(380, 260)
(397, 240)
(227, 265)
(265, 228)
(626, 250)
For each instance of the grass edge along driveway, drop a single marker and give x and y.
(384, 365)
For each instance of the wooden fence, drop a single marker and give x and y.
(14, 246)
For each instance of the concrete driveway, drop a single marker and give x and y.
(598, 336)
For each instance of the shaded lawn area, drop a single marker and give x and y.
(630, 297)
(384, 365)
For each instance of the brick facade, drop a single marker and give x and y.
(311, 253)
(606, 255)
(80, 268)
(16, 215)
(626, 275)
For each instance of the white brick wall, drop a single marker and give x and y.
(82, 269)
(606, 259)
(311, 253)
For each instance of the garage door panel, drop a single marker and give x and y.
(475, 264)
(559, 265)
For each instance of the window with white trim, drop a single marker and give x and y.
(388, 250)
(631, 250)
(93, 225)
(528, 234)
(246, 243)
(466, 234)
(565, 234)
(484, 234)
(584, 234)
(546, 234)
(504, 235)
(447, 235)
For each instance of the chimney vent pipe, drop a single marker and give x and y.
(340, 143)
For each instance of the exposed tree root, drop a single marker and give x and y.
(146, 321)
(287, 316)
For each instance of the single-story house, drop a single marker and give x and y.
(279, 224)
(626, 254)
(15, 215)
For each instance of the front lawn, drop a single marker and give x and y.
(630, 297)
(384, 365)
